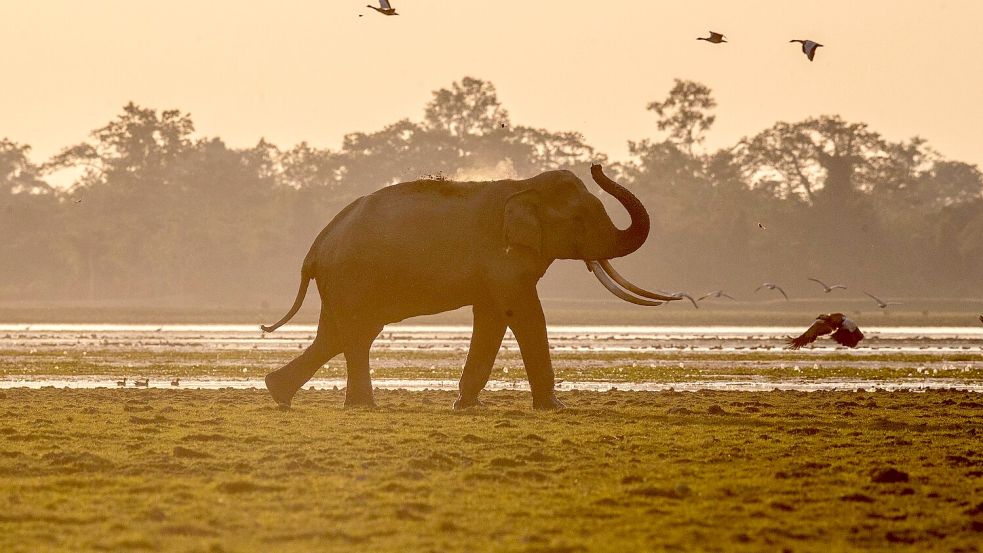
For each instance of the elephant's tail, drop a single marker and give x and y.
(305, 280)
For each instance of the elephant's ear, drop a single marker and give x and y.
(521, 225)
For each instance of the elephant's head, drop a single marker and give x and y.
(556, 217)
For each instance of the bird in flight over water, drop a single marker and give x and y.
(826, 288)
(715, 294)
(808, 47)
(882, 304)
(715, 38)
(845, 331)
(384, 8)
(771, 286)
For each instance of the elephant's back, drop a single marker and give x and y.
(419, 239)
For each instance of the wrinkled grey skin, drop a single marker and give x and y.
(429, 246)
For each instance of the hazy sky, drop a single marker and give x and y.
(314, 70)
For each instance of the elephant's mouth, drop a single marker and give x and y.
(623, 288)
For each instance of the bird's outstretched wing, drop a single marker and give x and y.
(728, 296)
(875, 298)
(835, 286)
(691, 300)
(811, 53)
(818, 328)
(715, 35)
(759, 287)
(385, 4)
(704, 296)
(821, 283)
(848, 337)
(779, 288)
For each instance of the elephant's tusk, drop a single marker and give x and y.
(609, 269)
(614, 289)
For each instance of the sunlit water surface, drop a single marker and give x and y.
(937, 342)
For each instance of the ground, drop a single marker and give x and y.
(224, 470)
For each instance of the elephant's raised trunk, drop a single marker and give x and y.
(628, 240)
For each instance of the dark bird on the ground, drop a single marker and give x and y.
(845, 331)
(771, 286)
(808, 47)
(715, 294)
(143, 383)
(826, 288)
(715, 38)
(121, 382)
(176, 382)
(384, 8)
(880, 303)
(762, 227)
(981, 318)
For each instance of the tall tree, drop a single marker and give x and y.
(685, 114)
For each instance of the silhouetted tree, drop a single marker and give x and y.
(685, 113)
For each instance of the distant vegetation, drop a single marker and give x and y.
(159, 213)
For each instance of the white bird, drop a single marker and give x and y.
(882, 304)
(808, 47)
(771, 286)
(826, 288)
(715, 38)
(384, 8)
(715, 294)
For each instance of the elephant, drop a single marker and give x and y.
(433, 245)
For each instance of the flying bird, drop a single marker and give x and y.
(385, 8)
(981, 318)
(808, 47)
(691, 300)
(715, 38)
(826, 288)
(715, 294)
(882, 304)
(771, 286)
(845, 331)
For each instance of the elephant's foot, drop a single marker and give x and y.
(356, 401)
(547, 403)
(468, 402)
(281, 395)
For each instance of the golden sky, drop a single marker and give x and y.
(314, 70)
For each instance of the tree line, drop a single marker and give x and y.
(158, 213)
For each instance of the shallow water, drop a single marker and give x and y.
(731, 339)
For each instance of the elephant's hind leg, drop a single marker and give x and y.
(359, 390)
(284, 382)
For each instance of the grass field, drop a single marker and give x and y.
(176, 470)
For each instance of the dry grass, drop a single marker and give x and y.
(180, 470)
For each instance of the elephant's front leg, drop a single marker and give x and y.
(486, 340)
(524, 314)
